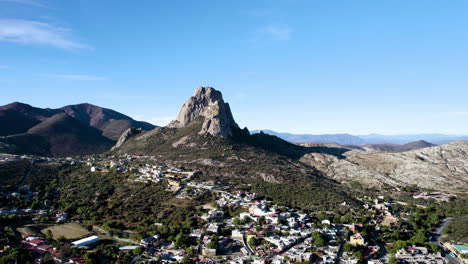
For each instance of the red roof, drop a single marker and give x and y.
(44, 247)
(36, 242)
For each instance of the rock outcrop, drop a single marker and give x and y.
(126, 136)
(442, 168)
(207, 103)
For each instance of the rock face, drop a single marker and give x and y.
(207, 103)
(126, 136)
(442, 168)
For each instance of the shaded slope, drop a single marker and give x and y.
(17, 117)
(68, 136)
(111, 123)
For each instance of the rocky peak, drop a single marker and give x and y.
(209, 104)
(130, 132)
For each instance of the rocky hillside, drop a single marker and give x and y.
(206, 137)
(207, 104)
(443, 168)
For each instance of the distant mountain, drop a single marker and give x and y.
(341, 139)
(347, 139)
(60, 135)
(71, 130)
(111, 123)
(17, 117)
(389, 147)
(437, 139)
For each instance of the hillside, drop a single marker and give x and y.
(388, 147)
(111, 123)
(60, 135)
(441, 168)
(71, 130)
(210, 141)
(16, 118)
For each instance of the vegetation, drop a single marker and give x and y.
(457, 230)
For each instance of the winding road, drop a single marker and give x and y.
(435, 239)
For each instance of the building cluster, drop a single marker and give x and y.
(415, 255)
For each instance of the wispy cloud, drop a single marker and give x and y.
(25, 2)
(79, 77)
(272, 32)
(38, 33)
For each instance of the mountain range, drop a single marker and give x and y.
(71, 130)
(348, 139)
(205, 137)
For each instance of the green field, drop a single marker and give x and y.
(68, 230)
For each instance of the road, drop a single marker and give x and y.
(435, 239)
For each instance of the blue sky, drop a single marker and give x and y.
(308, 66)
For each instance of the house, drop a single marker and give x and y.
(461, 248)
(357, 239)
(36, 242)
(208, 252)
(173, 183)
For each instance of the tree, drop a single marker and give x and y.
(392, 260)
(186, 260)
(182, 241)
(253, 242)
(348, 247)
(48, 234)
(212, 244)
(262, 220)
(359, 256)
(319, 239)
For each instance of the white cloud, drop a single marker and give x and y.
(273, 32)
(79, 77)
(39, 33)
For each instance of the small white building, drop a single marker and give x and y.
(86, 241)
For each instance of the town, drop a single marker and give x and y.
(236, 227)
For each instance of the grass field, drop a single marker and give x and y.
(68, 230)
(34, 229)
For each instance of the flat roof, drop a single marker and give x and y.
(461, 247)
(87, 239)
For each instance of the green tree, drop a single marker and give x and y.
(392, 260)
(212, 244)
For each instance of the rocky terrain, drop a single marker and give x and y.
(443, 168)
(207, 103)
(205, 136)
